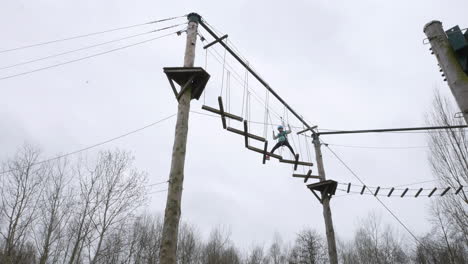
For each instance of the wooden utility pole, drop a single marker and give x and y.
(456, 78)
(330, 232)
(176, 176)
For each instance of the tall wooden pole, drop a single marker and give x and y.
(330, 232)
(456, 78)
(172, 213)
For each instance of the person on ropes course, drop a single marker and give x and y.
(282, 137)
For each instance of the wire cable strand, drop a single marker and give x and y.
(84, 58)
(95, 145)
(382, 203)
(88, 34)
(89, 47)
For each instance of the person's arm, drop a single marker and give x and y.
(288, 131)
(274, 136)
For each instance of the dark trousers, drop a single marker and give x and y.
(283, 143)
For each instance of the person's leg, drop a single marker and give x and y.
(286, 143)
(275, 147)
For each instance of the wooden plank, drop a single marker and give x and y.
(459, 190)
(240, 132)
(432, 192)
(265, 151)
(215, 41)
(261, 151)
(404, 192)
(221, 110)
(309, 173)
(185, 87)
(445, 191)
(390, 192)
(316, 196)
(349, 187)
(305, 130)
(296, 161)
(173, 87)
(216, 111)
(303, 163)
(305, 176)
(377, 191)
(363, 189)
(417, 194)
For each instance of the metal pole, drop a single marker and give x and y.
(456, 78)
(176, 176)
(329, 230)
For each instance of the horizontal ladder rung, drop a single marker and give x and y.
(240, 132)
(298, 163)
(261, 151)
(216, 111)
(305, 176)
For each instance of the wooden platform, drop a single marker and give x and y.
(326, 188)
(194, 78)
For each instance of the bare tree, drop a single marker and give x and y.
(219, 249)
(276, 253)
(54, 211)
(449, 162)
(309, 248)
(375, 244)
(20, 188)
(121, 192)
(256, 256)
(189, 245)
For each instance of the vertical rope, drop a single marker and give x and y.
(228, 95)
(246, 84)
(309, 156)
(265, 118)
(224, 67)
(206, 69)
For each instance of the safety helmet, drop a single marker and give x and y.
(280, 127)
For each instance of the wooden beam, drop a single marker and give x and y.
(246, 134)
(221, 109)
(240, 132)
(349, 187)
(171, 82)
(307, 129)
(390, 192)
(261, 152)
(296, 161)
(309, 173)
(377, 191)
(417, 194)
(216, 111)
(404, 192)
(303, 163)
(316, 196)
(363, 188)
(185, 87)
(459, 190)
(306, 176)
(215, 41)
(432, 192)
(445, 191)
(265, 151)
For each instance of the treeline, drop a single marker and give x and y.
(89, 211)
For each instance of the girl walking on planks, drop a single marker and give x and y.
(282, 137)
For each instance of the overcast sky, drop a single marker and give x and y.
(340, 64)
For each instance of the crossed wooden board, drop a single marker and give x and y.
(296, 162)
